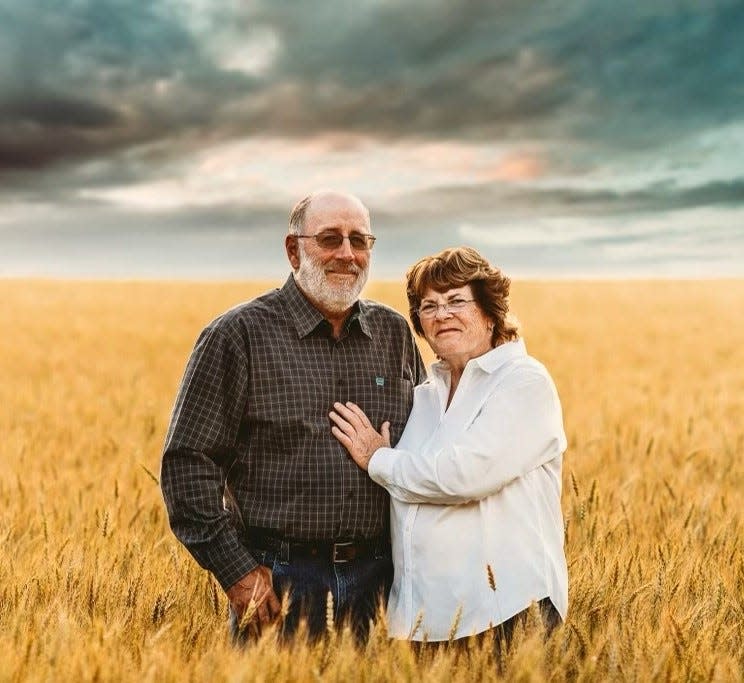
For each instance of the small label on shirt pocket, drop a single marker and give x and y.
(382, 398)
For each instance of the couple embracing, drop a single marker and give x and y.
(308, 453)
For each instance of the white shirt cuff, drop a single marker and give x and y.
(380, 465)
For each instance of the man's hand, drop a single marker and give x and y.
(253, 599)
(354, 430)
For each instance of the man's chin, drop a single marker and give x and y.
(340, 297)
(340, 300)
(336, 292)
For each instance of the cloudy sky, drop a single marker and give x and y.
(171, 137)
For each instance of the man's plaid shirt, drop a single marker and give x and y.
(252, 414)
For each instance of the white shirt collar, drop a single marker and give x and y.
(490, 361)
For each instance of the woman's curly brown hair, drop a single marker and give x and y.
(457, 267)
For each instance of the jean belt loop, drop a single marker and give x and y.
(284, 552)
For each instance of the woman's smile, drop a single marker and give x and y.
(446, 330)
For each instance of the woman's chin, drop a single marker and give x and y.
(443, 351)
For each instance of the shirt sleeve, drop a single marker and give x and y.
(199, 450)
(518, 430)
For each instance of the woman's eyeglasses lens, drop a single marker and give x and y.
(454, 306)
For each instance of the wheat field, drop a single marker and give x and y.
(93, 586)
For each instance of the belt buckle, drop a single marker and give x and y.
(343, 544)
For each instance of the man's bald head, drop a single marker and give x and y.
(324, 200)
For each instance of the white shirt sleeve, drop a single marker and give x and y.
(518, 429)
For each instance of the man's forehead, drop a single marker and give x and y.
(334, 210)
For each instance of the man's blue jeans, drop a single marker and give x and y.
(357, 588)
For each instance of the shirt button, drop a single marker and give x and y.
(350, 494)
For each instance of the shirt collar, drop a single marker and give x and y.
(491, 360)
(361, 313)
(306, 317)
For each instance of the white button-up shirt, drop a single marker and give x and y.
(475, 490)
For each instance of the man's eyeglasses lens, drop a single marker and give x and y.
(454, 306)
(333, 240)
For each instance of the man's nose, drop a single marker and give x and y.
(344, 250)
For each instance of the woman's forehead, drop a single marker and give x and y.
(433, 294)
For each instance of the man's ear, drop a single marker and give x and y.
(293, 253)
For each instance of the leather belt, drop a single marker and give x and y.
(338, 551)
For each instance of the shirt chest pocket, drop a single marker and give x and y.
(283, 395)
(382, 398)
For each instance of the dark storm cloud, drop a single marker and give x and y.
(654, 199)
(613, 73)
(417, 69)
(652, 71)
(97, 75)
(81, 79)
(56, 111)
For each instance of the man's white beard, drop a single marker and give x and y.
(334, 297)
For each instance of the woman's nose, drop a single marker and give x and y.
(443, 311)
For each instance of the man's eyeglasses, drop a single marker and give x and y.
(430, 310)
(333, 240)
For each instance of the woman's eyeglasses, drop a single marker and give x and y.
(333, 240)
(430, 310)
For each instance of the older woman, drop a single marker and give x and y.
(475, 479)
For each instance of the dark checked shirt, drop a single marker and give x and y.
(252, 415)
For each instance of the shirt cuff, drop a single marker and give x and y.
(380, 466)
(230, 562)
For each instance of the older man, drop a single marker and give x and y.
(250, 426)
